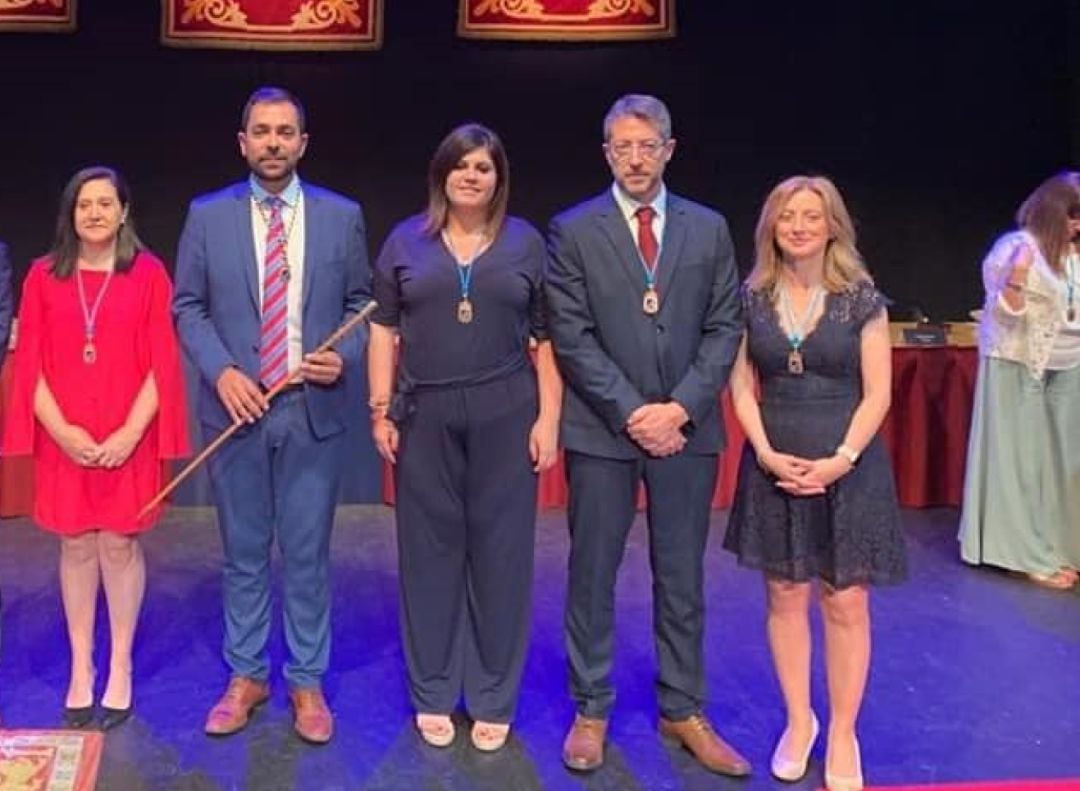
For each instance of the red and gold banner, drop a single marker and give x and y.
(567, 20)
(272, 24)
(35, 16)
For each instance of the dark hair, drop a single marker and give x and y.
(460, 141)
(271, 94)
(65, 250)
(1044, 212)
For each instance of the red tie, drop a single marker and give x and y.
(273, 346)
(646, 239)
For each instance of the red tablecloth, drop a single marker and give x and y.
(927, 426)
(926, 431)
(16, 472)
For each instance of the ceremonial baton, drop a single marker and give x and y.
(352, 323)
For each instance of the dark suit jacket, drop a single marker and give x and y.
(7, 301)
(216, 298)
(613, 356)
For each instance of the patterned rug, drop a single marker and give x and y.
(49, 760)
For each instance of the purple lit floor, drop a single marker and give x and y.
(976, 675)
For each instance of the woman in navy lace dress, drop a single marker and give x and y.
(815, 496)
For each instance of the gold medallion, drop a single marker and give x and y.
(795, 362)
(89, 352)
(650, 302)
(464, 311)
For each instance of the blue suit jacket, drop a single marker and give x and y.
(7, 300)
(216, 296)
(612, 355)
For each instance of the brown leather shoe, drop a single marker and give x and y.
(696, 734)
(232, 712)
(583, 749)
(313, 721)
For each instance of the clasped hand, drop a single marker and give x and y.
(82, 449)
(656, 428)
(804, 477)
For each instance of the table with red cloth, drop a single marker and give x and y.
(926, 431)
(16, 472)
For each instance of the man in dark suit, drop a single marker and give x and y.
(645, 320)
(267, 269)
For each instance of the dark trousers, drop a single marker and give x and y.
(603, 495)
(466, 518)
(276, 480)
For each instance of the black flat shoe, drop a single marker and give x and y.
(114, 718)
(78, 718)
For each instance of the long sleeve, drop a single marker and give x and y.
(584, 362)
(721, 332)
(19, 421)
(357, 288)
(191, 302)
(159, 344)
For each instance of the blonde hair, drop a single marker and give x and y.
(843, 264)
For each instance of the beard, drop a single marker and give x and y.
(273, 170)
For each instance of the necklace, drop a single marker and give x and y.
(650, 300)
(1072, 272)
(89, 352)
(465, 312)
(286, 272)
(797, 330)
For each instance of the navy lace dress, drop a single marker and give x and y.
(851, 534)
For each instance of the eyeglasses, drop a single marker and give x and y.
(624, 149)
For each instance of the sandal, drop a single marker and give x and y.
(1060, 580)
(489, 736)
(436, 729)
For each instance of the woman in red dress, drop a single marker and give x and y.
(98, 400)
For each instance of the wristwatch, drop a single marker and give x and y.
(848, 453)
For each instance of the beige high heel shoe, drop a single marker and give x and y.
(791, 770)
(846, 782)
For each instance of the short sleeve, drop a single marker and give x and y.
(866, 302)
(757, 305)
(385, 287)
(538, 309)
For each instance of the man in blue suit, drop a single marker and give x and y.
(267, 269)
(646, 322)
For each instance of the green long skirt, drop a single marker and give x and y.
(1022, 485)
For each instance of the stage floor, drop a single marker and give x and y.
(975, 674)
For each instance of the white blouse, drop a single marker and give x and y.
(1038, 335)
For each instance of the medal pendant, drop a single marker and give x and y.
(89, 353)
(464, 311)
(795, 362)
(286, 273)
(650, 302)
(1070, 314)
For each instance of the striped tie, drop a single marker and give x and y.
(273, 346)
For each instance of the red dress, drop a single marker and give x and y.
(134, 337)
